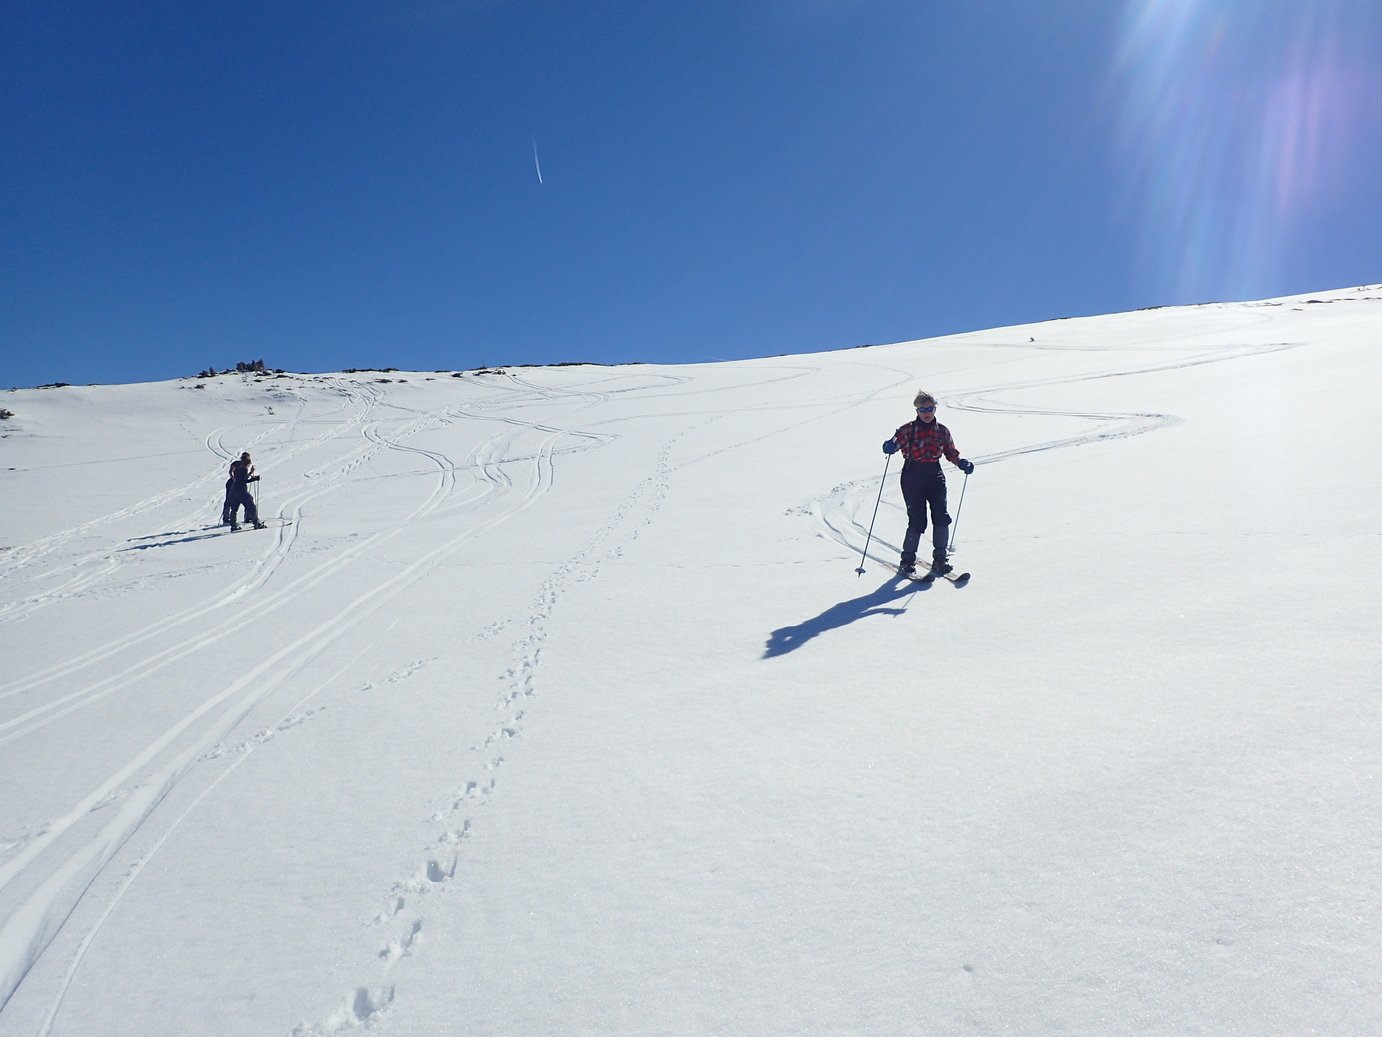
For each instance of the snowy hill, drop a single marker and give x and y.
(549, 702)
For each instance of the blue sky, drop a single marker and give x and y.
(352, 184)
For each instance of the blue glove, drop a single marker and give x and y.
(964, 466)
(890, 447)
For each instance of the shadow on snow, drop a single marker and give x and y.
(788, 639)
(187, 537)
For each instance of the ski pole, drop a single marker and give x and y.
(950, 548)
(887, 461)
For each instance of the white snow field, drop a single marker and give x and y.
(550, 702)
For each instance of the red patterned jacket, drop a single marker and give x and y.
(926, 441)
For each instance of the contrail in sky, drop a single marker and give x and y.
(537, 164)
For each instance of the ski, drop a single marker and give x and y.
(959, 579)
(274, 524)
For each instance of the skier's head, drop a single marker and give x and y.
(925, 404)
(245, 456)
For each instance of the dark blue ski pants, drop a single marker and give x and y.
(923, 489)
(241, 495)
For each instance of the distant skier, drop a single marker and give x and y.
(922, 443)
(241, 475)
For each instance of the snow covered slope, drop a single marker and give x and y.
(550, 701)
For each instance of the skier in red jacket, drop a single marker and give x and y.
(922, 443)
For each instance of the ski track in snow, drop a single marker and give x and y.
(299, 714)
(136, 789)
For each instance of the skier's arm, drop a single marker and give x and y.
(951, 454)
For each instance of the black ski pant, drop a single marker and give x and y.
(241, 495)
(225, 508)
(923, 488)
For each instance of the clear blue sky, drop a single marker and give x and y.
(352, 184)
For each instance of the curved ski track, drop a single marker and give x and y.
(69, 850)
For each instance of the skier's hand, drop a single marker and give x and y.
(890, 447)
(964, 466)
(254, 478)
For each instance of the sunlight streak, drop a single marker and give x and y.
(1236, 121)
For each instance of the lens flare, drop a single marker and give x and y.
(1235, 124)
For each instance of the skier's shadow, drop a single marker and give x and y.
(789, 639)
(176, 538)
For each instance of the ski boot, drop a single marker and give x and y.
(940, 566)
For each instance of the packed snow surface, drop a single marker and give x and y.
(550, 700)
